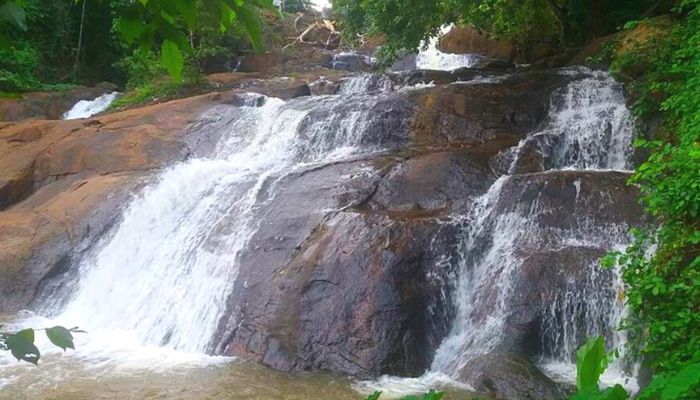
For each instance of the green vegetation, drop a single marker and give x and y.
(664, 285)
(557, 23)
(592, 360)
(21, 344)
(87, 41)
(431, 395)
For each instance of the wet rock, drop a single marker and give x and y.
(570, 218)
(602, 196)
(430, 182)
(492, 64)
(533, 155)
(512, 377)
(514, 105)
(62, 184)
(351, 62)
(405, 63)
(345, 266)
(322, 86)
(414, 77)
(49, 105)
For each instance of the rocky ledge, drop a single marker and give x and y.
(350, 270)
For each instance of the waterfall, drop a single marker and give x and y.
(430, 57)
(589, 127)
(165, 272)
(88, 108)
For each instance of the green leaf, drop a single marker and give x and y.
(433, 395)
(188, 11)
(14, 14)
(61, 337)
(590, 363)
(374, 396)
(21, 345)
(616, 392)
(171, 57)
(131, 29)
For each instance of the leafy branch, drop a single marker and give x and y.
(21, 344)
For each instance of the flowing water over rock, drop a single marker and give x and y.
(376, 231)
(88, 108)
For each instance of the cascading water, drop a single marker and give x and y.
(589, 128)
(160, 279)
(430, 57)
(165, 271)
(88, 108)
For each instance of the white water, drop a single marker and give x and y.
(593, 130)
(589, 128)
(88, 108)
(430, 57)
(151, 293)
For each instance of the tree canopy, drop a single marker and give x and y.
(560, 22)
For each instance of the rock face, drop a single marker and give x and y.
(48, 105)
(464, 40)
(512, 377)
(352, 265)
(63, 182)
(351, 291)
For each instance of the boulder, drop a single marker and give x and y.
(468, 40)
(352, 62)
(345, 266)
(512, 377)
(481, 109)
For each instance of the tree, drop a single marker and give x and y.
(162, 23)
(565, 23)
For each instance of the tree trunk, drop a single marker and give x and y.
(594, 19)
(564, 27)
(80, 40)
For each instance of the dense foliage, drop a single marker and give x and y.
(527, 22)
(592, 360)
(85, 41)
(662, 267)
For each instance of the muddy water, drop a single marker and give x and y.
(235, 380)
(113, 365)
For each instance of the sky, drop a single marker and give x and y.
(320, 4)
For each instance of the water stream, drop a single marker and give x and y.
(88, 108)
(152, 291)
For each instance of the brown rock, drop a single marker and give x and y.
(465, 40)
(48, 105)
(476, 111)
(63, 182)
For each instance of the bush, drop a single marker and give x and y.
(17, 67)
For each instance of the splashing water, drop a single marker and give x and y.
(88, 108)
(592, 129)
(430, 57)
(164, 273)
(152, 291)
